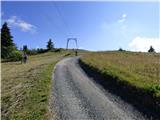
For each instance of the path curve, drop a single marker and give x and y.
(78, 97)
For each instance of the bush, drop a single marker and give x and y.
(155, 88)
(120, 49)
(41, 50)
(15, 56)
(57, 50)
(7, 51)
(32, 52)
(151, 49)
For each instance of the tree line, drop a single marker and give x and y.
(151, 49)
(49, 46)
(9, 50)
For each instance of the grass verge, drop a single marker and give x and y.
(132, 75)
(26, 87)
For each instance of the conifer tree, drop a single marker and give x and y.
(151, 49)
(7, 45)
(50, 45)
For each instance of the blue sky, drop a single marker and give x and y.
(97, 25)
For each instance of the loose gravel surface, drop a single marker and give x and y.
(78, 97)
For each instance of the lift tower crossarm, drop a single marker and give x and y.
(74, 39)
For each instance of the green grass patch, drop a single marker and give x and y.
(26, 87)
(135, 75)
(141, 70)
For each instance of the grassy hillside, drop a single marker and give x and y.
(136, 75)
(141, 70)
(26, 87)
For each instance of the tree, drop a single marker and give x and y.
(7, 45)
(6, 38)
(25, 49)
(50, 45)
(151, 49)
(120, 49)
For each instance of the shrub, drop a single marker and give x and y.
(155, 88)
(15, 56)
(57, 50)
(151, 49)
(41, 50)
(32, 52)
(7, 51)
(120, 49)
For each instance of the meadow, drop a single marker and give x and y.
(133, 76)
(141, 70)
(26, 87)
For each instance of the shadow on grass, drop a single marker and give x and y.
(141, 99)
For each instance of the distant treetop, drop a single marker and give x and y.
(151, 49)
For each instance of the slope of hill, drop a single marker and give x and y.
(26, 87)
(138, 74)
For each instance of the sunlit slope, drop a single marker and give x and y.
(141, 70)
(26, 87)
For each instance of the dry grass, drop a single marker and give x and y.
(138, 69)
(26, 87)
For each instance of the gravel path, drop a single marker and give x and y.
(78, 97)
